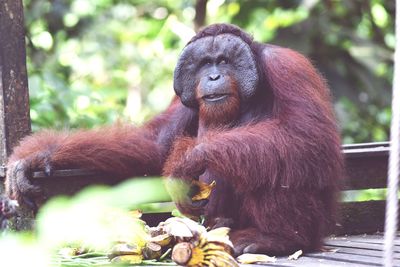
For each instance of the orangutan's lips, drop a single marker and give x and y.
(214, 97)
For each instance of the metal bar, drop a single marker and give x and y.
(394, 155)
(366, 152)
(67, 173)
(366, 145)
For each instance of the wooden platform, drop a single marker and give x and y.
(360, 250)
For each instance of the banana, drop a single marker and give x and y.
(190, 255)
(124, 249)
(296, 255)
(209, 249)
(203, 190)
(152, 251)
(182, 227)
(249, 258)
(128, 259)
(162, 239)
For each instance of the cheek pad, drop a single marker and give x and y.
(245, 69)
(184, 77)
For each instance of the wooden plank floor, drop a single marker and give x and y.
(354, 251)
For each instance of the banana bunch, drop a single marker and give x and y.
(190, 242)
(211, 248)
(193, 245)
(153, 244)
(181, 239)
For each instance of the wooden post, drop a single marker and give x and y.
(14, 98)
(200, 16)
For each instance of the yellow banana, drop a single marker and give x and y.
(201, 251)
(204, 190)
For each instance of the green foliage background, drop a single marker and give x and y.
(95, 62)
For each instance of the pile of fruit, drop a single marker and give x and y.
(182, 240)
(178, 240)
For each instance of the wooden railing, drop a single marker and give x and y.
(366, 168)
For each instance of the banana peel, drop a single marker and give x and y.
(296, 255)
(152, 251)
(125, 249)
(126, 253)
(203, 189)
(163, 240)
(249, 258)
(181, 228)
(128, 259)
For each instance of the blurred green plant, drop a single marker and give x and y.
(95, 218)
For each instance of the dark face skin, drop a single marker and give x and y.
(216, 73)
(214, 80)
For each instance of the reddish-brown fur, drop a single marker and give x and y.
(223, 115)
(277, 168)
